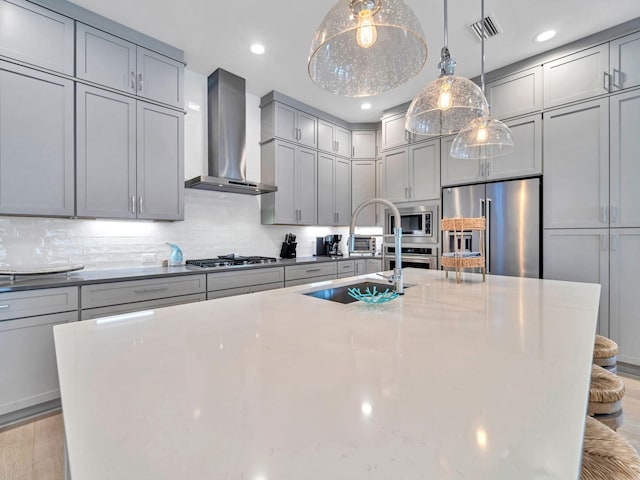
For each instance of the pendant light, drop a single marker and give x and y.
(484, 137)
(448, 103)
(366, 47)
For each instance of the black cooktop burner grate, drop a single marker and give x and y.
(229, 260)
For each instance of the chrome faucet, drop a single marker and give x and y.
(397, 277)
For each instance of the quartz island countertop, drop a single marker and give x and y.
(470, 381)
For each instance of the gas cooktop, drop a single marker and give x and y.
(229, 261)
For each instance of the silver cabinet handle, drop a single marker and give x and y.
(133, 81)
(337, 146)
(410, 192)
(133, 204)
(603, 212)
(151, 289)
(346, 267)
(140, 204)
(406, 192)
(140, 84)
(299, 134)
(487, 232)
(353, 152)
(617, 78)
(4, 306)
(603, 243)
(614, 214)
(606, 81)
(313, 270)
(481, 168)
(294, 133)
(488, 168)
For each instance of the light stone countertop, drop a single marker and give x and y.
(482, 381)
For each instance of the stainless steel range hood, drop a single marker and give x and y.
(226, 128)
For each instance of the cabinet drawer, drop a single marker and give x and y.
(116, 293)
(138, 306)
(311, 270)
(348, 266)
(245, 278)
(30, 376)
(230, 292)
(304, 281)
(30, 303)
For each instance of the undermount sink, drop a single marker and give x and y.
(341, 294)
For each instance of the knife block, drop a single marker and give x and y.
(288, 250)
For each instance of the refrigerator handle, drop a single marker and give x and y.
(487, 245)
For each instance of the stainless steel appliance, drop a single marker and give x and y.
(229, 261)
(332, 244)
(362, 244)
(512, 209)
(417, 222)
(416, 256)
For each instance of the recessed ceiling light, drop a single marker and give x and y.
(257, 49)
(544, 36)
(365, 106)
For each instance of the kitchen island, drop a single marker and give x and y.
(470, 381)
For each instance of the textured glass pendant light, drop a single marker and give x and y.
(448, 103)
(483, 137)
(366, 47)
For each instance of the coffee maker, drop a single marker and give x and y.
(332, 245)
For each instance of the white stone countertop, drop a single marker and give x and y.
(482, 381)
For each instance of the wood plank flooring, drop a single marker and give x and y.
(35, 450)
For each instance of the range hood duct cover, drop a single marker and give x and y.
(226, 131)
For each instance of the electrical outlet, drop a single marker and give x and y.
(149, 258)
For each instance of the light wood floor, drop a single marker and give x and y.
(34, 451)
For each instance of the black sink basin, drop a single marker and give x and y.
(341, 294)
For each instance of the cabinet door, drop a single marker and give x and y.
(326, 174)
(364, 144)
(393, 132)
(625, 62)
(363, 187)
(624, 160)
(576, 77)
(343, 142)
(106, 154)
(308, 129)
(36, 35)
(326, 141)
(286, 122)
(516, 94)
(160, 163)
(286, 211)
(342, 191)
(526, 158)
(576, 166)
(424, 171)
(456, 171)
(396, 174)
(29, 376)
(36, 143)
(625, 301)
(306, 186)
(105, 59)
(160, 78)
(360, 267)
(580, 255)
(380, 192)
(374, 265)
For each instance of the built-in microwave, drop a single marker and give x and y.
(418, 221)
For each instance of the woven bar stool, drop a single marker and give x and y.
(606, 455)
(605, 353)
(605, 397)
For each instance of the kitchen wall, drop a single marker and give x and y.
(215, 223)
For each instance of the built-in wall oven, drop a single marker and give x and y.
(420, 237)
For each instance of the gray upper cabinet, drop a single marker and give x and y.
(456, 171)
(625, 62)
(334, 190)
(577, 76)
(36, 143)
(516, 94)
(334, 139)
(105, 59)
(393, 132)
(364, 144)
(160, 163)
(526, 158)
(106, 154)
(363, 187)
(36, 35)
(285, 122)
(413, 173)
(113, 62)
(129, 160)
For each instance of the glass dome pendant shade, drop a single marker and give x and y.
(448, 103)
(366, 47)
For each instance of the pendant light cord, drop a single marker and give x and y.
(446, 28)
(482, 46)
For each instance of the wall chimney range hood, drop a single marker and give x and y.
(226, 131)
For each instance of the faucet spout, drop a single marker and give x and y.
(397, 278)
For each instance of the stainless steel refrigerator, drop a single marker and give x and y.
(512, 211)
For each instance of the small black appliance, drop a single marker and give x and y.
(288, 249)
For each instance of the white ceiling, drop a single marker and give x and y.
(216, 33)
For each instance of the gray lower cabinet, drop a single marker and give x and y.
(36, 35)
(239, 282)
(36, 143)
(91, 313)
(309, 273)
(114, 62)
(129, 157)
(347, 268)
(29, 378)
(136, 291)
(373, 265)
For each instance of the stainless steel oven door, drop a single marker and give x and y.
(429, 263)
